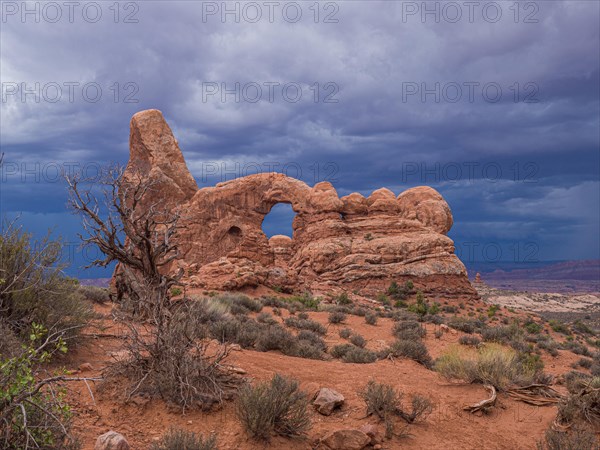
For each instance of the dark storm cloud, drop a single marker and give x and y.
(515, 168)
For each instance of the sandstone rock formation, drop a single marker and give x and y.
(350, 243)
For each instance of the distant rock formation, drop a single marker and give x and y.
(349, 243)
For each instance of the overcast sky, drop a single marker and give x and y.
(495, 104)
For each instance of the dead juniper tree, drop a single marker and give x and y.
(166, 351)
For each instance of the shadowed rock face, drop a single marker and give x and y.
(350, 243)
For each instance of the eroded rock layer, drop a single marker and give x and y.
(352, 243)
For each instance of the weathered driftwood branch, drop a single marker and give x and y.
(536, 394)
(484, 405)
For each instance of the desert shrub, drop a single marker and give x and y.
(266, 318)
(398, 292)
(492, 310)
(303, 315)
(491, 364)
(275, 337)
(576, 439)
(175, 291)
(577, 348)
(349, 353)
(33, 411)
(465, 325)
(533, 327)
(10, 345)
(580, 327)
(412, 349)
(239, 303)
(433, 318)
(245, 333)
(586, 363)
(469, 340)
(94, 293)
(176, 439)
(558, 326)
(371, 319)
(307, 301)
(449, 309)
(502, 334)
(358, 340)
(550, 346)
(438, 333)
(276, 406)
(358, 311)
(306, 349)
(336, 317)
(33, 288)
(359, 355)
(273, 302)
(380, 399)
(343, 299)
(345, 333)
(338, 351)
(583, 402)
(421, 307)
(408, 330)
(385, 402)
(403, 315)
(305, 324)
(313, 338)
(277, 312)
(175, 363)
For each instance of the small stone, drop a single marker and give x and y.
(372, 432)
(327, 400)
(85, 367)
(346, 440)
(111, 441)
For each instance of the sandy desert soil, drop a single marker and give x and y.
(510, 425)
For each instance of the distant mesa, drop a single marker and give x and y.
(351, 243)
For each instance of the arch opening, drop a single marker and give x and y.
(279, 220)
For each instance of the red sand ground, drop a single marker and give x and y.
(511, 425)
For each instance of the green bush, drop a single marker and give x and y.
(533, 327)
(277, 406)
(33, 288)
(559, 327)
(492, 310)
(343, 299)
(33, 410)
(491, 364)
(176, 439)
(176, 291)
